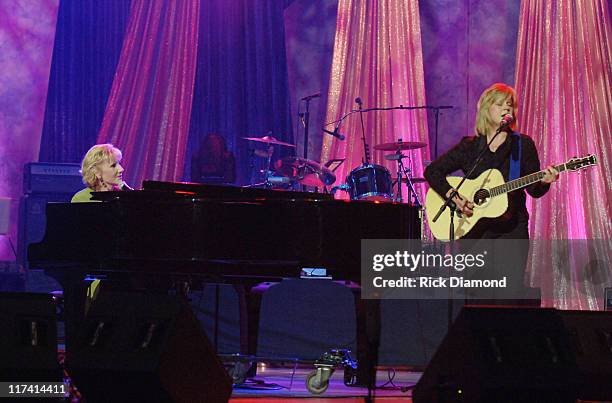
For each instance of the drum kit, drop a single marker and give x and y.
(375, 183)
(367, 182)
(292, 170)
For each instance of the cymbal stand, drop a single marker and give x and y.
(399, 157)
(268, 162)
(411, 190)
(405, 172)
(267, 183)
(271, 180)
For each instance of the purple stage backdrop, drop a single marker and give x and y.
(310, 28)
(248, 81)
(27, 30)
(467, 45)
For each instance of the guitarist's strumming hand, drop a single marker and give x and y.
(550, 175)
(464, 205)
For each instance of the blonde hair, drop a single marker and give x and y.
(487, 98)
(93, 158)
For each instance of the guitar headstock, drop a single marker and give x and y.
(579, 163)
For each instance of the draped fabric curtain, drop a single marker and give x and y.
(377, 57)
(241, 87)
(85, 55)
(564, 76)
(148, 112)
(26, 45)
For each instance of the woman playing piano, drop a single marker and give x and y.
(102, 171)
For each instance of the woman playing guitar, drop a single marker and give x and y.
(510, 152)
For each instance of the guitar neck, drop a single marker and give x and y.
(523, 181)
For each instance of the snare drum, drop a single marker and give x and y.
(370, 182)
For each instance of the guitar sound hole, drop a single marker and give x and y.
(481, 196)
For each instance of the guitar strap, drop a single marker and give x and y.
(515, 158)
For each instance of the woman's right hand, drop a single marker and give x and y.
(464, 205)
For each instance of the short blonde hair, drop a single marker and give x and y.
(93, 158)
(487, 98)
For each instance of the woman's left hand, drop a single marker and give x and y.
(550, 175)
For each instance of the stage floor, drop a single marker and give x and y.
(287, 384)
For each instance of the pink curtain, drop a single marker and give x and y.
(378, 57)
(149, 109)
(27, 30)
(564, 77)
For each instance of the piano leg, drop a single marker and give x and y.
(75, 297)
(249, 305)
(249, 297)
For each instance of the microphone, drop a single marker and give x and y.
(309, 97)
(507, 120)
(358, 101)
(125, 186)
(335, 134)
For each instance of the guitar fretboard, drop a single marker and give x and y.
(522, 182)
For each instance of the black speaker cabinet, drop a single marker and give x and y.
(521, 355)
(145, 348)
(590, 333)
(28, 338)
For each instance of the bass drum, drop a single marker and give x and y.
(370, 182)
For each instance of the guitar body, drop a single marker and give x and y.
(485, 206)
(490, 207)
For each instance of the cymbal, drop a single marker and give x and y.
(306, 172)
(269, 140)
(400, 145)
(414, 180)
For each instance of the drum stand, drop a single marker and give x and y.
(270, 180)
(404, 174)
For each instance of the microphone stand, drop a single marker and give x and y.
(306, 124)
(361, 111)
(366, 150)
(448, 201)
(388, 108)
(436, 110)
(453, 208)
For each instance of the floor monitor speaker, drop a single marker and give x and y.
(145, 347)
(28, 338)
(506, 354)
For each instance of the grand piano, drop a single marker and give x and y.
(180, 235)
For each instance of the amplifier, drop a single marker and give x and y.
(51, 177)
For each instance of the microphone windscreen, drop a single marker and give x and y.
(507, 120)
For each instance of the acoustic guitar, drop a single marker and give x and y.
(489, 194)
